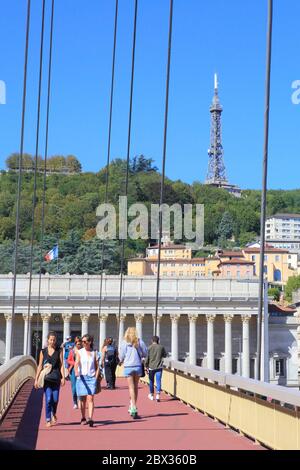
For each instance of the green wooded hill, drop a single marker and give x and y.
(70, 214)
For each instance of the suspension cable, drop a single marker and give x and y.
(127, 160)
(264, 188)
(35, 170)
(45, 162)
(162, 184)
(20, 172)
(109, 146)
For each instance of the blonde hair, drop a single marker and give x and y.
(131, 336)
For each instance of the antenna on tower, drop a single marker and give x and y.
(216, 82)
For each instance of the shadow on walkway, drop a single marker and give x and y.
(28, 429)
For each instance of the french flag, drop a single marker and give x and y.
(52, 254)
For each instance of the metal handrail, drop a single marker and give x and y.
(286, 396)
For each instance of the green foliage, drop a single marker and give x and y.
(56, 163)
(72, 198)
(291, 286)
(225, 229)
(274, 292)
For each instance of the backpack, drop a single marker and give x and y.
(110, 354)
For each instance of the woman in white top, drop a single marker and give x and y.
(86, 371)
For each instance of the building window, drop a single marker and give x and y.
(266, 269)
(238, 274)
(217, 364)
(266, 257)
(234, 365)
(253, 257)
(200, 362)
(279, 368)
(252, 368)
(277, 258)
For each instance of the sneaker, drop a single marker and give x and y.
(150, 396)
(157, 397)
(133, 412)
(75, 407)
(129, 407)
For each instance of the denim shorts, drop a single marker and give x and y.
(128, 371)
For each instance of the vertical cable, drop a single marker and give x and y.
(45, 160)
(264, 187)
(109, 144)
(35, 170)
(162, 184)
(18, 202)
(128, 157)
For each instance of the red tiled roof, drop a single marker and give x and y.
(234, 254)
(267, 250)
(169, 247)
(173, 260)
(275, 308)
(236, 261)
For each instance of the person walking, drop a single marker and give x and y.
(67, 346)
(87, 372)
(132, 352)
(154, 365)
(110, 361)
(71, 362)
(51, 355)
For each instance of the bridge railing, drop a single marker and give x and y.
(13, 374)
(267, 413)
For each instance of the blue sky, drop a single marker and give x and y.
(226, 36)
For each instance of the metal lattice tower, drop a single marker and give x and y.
(216, 174)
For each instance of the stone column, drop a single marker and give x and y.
(67, 324)
(210, 318)
(174, 337)
(159, 317)
(246, 346)
(8, 336)
(121, 328)
(46, 320)
(84, 323)
(228, 343)
(192, 338)
(102, 329)
(27, 334)
(139, 324)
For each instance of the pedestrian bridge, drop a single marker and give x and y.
(200, 409)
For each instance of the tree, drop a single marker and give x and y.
(73, 164)
(141, 164)
(275, 293)
(292, 285)
(225, 229)
(12, 162)
(56, 163)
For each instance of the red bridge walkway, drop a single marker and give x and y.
(168, 425)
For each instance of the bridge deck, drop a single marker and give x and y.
(168, 425)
